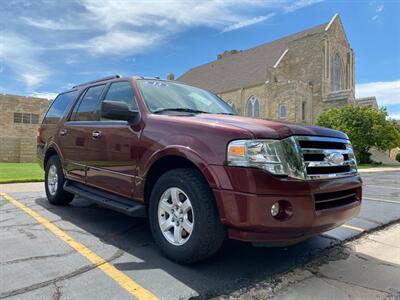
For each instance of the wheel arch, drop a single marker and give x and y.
(170, 162)
(49, 153)
(52, 149)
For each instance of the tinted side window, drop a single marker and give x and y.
(58, 107)
(88, 106)
(121, 91)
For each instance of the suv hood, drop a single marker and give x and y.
(261, 128)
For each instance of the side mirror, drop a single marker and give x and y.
(118, 110)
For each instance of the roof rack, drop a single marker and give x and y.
(98, 80)
(146, 77)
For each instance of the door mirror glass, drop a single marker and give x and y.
(118, 110)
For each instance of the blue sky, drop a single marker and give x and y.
(47, 46)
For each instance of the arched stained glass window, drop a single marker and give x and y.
(282, 111)
(253, 107)
(337, 73)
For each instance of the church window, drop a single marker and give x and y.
(327, 59)
(337, 74)
(282, 111)
(348, 71)
(303, 111)
(253, 107)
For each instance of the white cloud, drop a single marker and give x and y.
(386, 92)
(45, 95)
(248, 22)
(116, 43)
(128, 27)
(395, 116)
(295, 5)
(20, 56)
(52, 25)
(378, 11)
(119, 27)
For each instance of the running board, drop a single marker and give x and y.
(114, 202)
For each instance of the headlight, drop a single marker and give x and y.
(279, 157)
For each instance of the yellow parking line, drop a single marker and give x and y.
(123, 280)
(353, 227)
(380, 200)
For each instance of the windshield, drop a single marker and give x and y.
(166, 97)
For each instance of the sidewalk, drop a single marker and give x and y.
(367, 268)
(379, 169)
(22, 187)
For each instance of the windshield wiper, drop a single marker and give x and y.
(189, 110)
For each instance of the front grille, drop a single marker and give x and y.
(335, 199)
(327, 170)
(322, 144)
(317, 155)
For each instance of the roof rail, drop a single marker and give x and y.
(98, 80)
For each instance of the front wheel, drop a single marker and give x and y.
(54, 182)
(184, 218)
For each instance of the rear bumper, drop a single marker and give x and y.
(248, 218)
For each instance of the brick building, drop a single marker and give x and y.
(294, 78)
(19, 118)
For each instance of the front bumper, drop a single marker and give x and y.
(244, 204)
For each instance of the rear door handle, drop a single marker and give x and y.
(63, 131)
(96, 134)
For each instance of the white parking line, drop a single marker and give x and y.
(381, 200)
(382, 186)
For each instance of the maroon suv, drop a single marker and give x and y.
(179, 155)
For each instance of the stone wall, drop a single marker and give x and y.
(292, 94)
(14, 149)
(18, 140)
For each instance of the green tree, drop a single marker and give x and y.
(366, 128)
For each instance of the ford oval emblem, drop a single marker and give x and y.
(335, 158)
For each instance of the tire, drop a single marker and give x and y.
(206, 235)
(54, 187)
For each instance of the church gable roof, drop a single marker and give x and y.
(243, 68)
(335, 26)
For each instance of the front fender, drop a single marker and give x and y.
(186, 153)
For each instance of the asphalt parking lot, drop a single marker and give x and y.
(83, 251)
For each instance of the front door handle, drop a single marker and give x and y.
(63, 131)
(96, 134)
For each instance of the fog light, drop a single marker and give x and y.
(282, 210)
(275, 209)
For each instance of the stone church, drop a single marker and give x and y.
(294, 78)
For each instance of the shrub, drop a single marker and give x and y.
(366, 128)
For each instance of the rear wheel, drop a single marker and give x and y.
(54, 183)
(184, 218)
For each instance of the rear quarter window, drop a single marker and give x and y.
(87, 108)
(58, 107)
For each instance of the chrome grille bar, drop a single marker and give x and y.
(322, 166)
(350, 162)
(326, 151)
